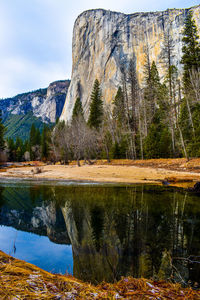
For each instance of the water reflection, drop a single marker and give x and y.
(114, 231)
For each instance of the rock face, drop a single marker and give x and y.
(104, 40)
(46, 104)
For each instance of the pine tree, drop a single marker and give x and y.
(154, 95)
(157, 143)
(191, 64)
(19, 154)
(32, 135)
(44, 143)
(11, 149)
(34, 142)
(37, 137)
(191, 50)
(2, 131)
(119, 113)
(194, 144)
(96, 107)
(78, 109)
(19, 149)
(154, 80)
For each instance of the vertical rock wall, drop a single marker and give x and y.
(104, 40)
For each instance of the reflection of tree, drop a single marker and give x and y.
(78, 214)
(121, 226)
(2, 200)
(35, 194)
(97, 224)
(191, 242)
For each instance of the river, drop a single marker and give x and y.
(102, 232)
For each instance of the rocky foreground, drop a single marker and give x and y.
(21, 280)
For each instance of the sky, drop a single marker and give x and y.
(36, 37)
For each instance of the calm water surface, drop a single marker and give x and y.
(99, 232)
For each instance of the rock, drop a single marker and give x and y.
(103, 40)
(46, 104)
(165, 182)
(196, 187)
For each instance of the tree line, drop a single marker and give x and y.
(36, 147)
(153, 120)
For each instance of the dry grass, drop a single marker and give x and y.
(21, 280)
(178, 164)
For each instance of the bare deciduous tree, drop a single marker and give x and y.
(195, 83)
(83, 140)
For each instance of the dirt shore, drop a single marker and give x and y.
(178, 172)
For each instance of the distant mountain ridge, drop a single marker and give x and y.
(38, 107)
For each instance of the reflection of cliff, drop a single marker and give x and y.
(24, 209)
(117, 232)
(114, 231)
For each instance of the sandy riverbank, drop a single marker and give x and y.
(152, 171)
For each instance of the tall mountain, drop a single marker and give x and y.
(103, 41)
(40, 106)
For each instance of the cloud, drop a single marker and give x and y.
(33, 49)
(19, 75)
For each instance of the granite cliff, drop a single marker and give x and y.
(46, 103)
(104, 40)
(38, 107)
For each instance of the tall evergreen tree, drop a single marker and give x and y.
(34, 142)
(19, 149)
(2, 131)
(154, 94)
(44, 142)
(96, 107)
(157, 143)
(78, 109)
(119, 113)
(190, 108)
(32, 135)
(37, 137)
(11, 149)
(191, 50)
